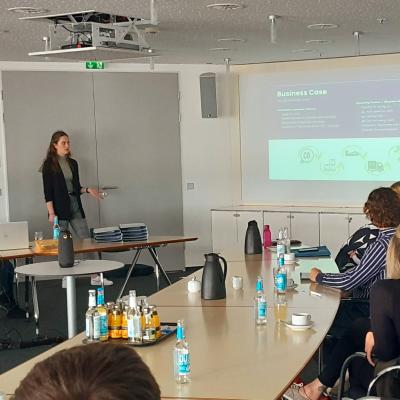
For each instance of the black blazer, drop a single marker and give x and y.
(55, 189)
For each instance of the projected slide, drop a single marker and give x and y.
(335, 131)
(361, 159)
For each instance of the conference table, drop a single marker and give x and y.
(53, 269)
(91, 246)
(231, 357)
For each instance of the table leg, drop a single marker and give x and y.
(71, 306)
(128, 275)
(155, 258)
(27, 297)
(35, 305)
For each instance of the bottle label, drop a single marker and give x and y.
(183, 363)
(96, 327)
(280, 249)
(262, 309)
(103, 325)
(281, 282)
(87, 327)
(131, 329)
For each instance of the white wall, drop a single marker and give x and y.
(210, 147)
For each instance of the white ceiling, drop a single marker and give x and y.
(188, 29)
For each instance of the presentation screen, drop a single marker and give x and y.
(331, 130)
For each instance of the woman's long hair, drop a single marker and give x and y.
(51, 160)
(393, 257)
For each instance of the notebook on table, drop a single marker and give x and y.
(317, 251)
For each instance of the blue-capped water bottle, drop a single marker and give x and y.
(56, 228)
(260, 303)
(181, 355)
(281, 275)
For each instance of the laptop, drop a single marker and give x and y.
(14, 235)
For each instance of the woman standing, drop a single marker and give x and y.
(63, 190)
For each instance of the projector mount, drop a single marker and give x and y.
(88, 34)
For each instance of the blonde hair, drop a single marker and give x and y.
(396, 187)
(393, 257)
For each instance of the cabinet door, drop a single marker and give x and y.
(242, 221)
(224, 230)
(356, 221)
(334, 231)
(305, 227)
(36, 104)
(138, 145)
(276, 220)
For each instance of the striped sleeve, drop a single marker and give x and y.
(371, 264)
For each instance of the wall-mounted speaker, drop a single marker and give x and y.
(208, 93)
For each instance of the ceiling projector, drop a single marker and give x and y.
(92, 35)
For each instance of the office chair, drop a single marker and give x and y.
(378, 378)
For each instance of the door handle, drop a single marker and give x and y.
(109, 187)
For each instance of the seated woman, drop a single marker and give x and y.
(383, 209)
(96, 371)
(379, 335)
(352, 251)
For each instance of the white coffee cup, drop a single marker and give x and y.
(301, 319)
(289, 257)
(194, 285)
(237, 282)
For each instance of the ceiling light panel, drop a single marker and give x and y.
(322, 26)
(233, 40)
(28, 10)
(318, 41)
(225, 6)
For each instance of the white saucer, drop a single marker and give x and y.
(299, 327)
(290, 262)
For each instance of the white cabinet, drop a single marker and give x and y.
(302, 226)
(276, 220)
(334, 231)
(356, 221)
(229, 228)
(305, 227)
(335, 228)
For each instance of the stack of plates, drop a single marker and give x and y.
(134, 232)
(108, 234)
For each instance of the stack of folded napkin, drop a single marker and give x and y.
(108, 234)
(134, 232)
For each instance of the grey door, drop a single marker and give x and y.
(35, 105)
(139, 153)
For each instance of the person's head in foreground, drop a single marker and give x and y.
(93, 372)
(383, 208)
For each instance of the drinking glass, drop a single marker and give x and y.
(38, 236)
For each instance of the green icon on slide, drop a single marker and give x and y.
(307, 154)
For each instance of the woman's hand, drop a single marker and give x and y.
(313, 274)
(369, 346)
(95, 193)
(51, 218)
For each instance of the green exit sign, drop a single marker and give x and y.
(94, 64)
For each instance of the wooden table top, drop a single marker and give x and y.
(91, 246)
(231, 357)
(178, 295)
